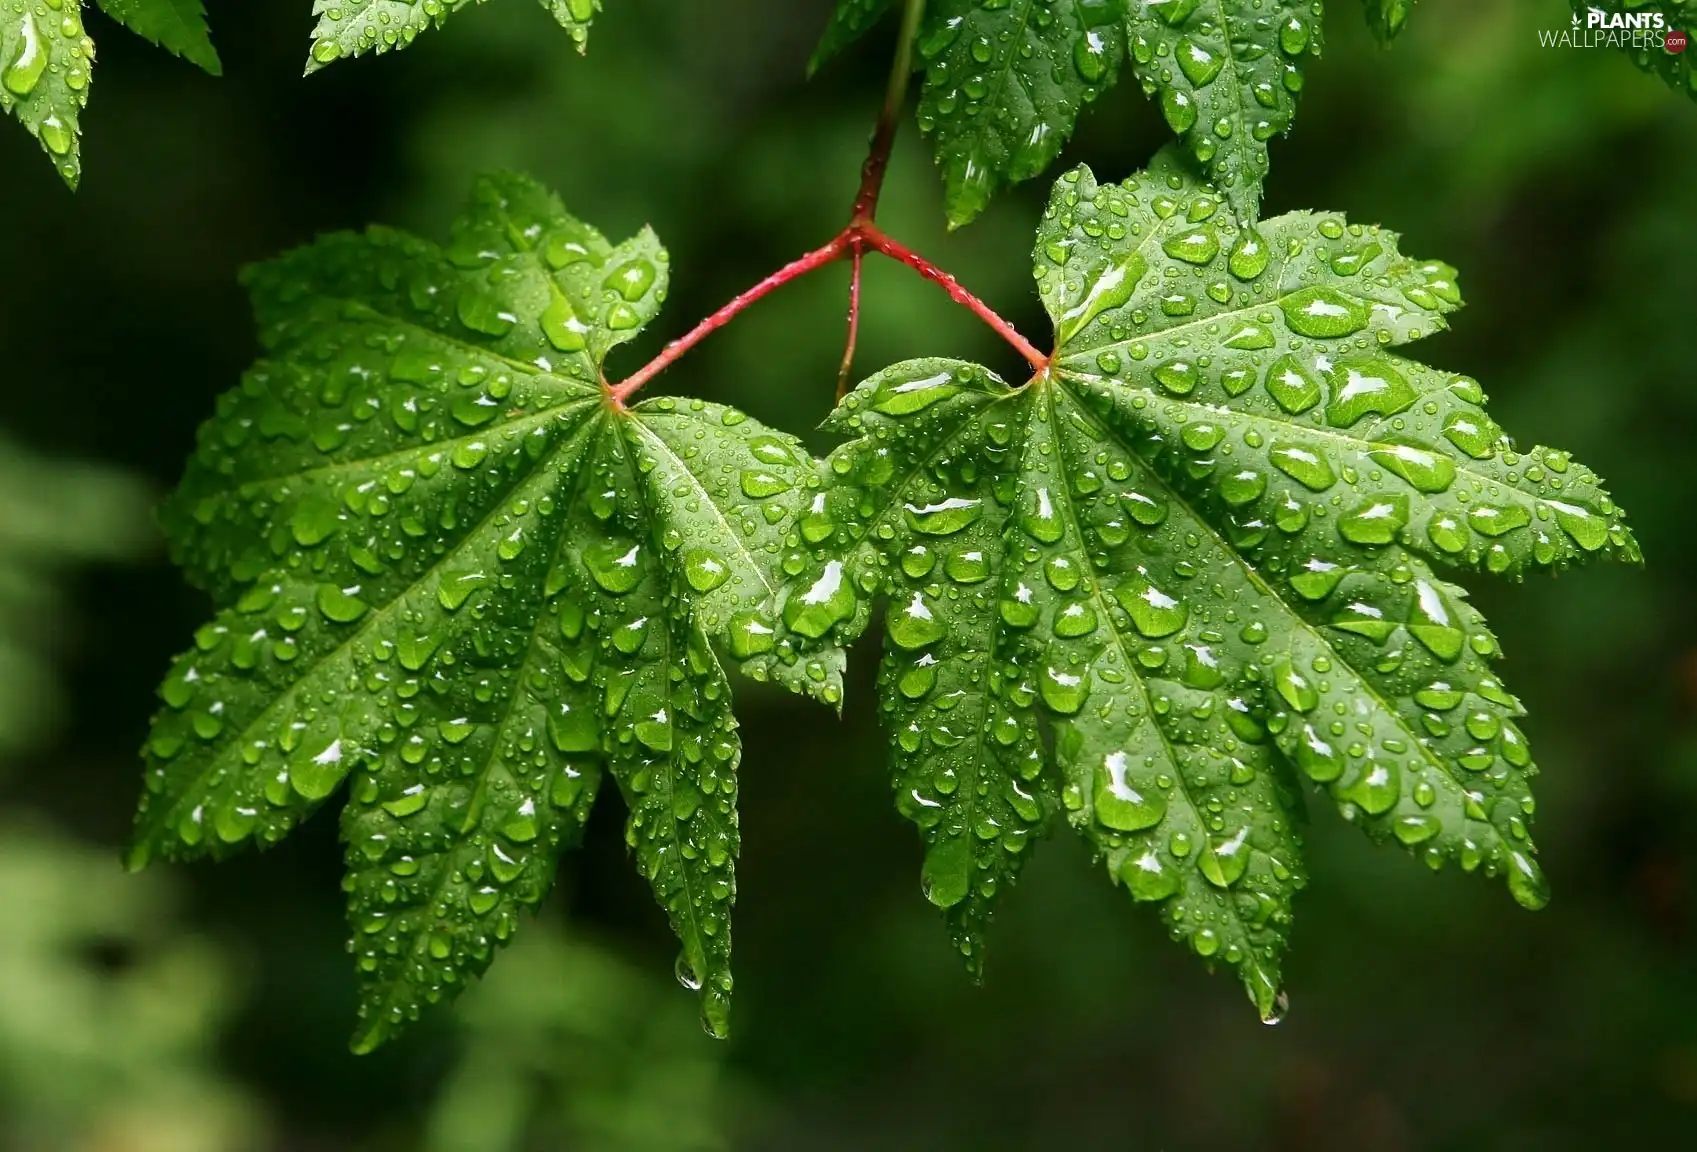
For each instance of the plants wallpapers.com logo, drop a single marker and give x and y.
(1600, 29)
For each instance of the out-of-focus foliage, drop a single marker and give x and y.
(566, 1046)
(53, 515)
(107, 1039)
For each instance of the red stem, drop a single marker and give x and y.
(896, 250)
(794, 270)
(853, 321)
(850, 241)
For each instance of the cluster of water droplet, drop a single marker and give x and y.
(1263, 351)
(1004, 84)
(1226, 76)
(45, 64)
(355, 27)
(451, 571)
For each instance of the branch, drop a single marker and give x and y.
(896, 250)
(884, 133)
(853, 321)
(794, 270)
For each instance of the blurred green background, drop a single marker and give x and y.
(207, 1008)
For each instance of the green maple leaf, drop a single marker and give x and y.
(45, 61)
(1202, 549)
(356, 27)
(454, 575)
(178, 26)
(1677, 69)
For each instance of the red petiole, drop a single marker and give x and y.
(860, 234)
(851, 242)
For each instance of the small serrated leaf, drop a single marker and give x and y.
(178, 26)
(455, 576)
(357, 27)
(45, 65)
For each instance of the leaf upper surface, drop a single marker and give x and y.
(1004, 84)
(1226, 73)
(178, 26)
(45, 64)
(1202, 548)
(454, 577)
(356, 27)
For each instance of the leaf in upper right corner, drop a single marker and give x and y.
(1227, 73)
(357, 27)
(178, 26)
(1387, 17)
(45, 62)
(1005, 81)
(1641, 29)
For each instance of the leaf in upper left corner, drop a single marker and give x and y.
(178, 26)
(45, 62)
(357, 27)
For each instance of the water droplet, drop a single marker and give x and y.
(827, 602)
(1062, 690)
(1588, 529)
(1153, 612)
(1323, 313)
(944, 518)
(29, 60)
(1040, 519)
(1224, 862)
(561, 325)
(1423, 468)
(1120, 805)
(946, 875)
(914, 625)
(1303, 465)
(1365, 384)
(1249, 255)
(1293, 687)
(1526, 881)
(1146, 877)
(1375, 522)
(1292, 385)
(341, 605)
(615, 565)
(1197, 246)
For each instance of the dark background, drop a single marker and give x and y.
(208, 1007)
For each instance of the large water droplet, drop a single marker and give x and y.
(1120, 805)
(1152, 611)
